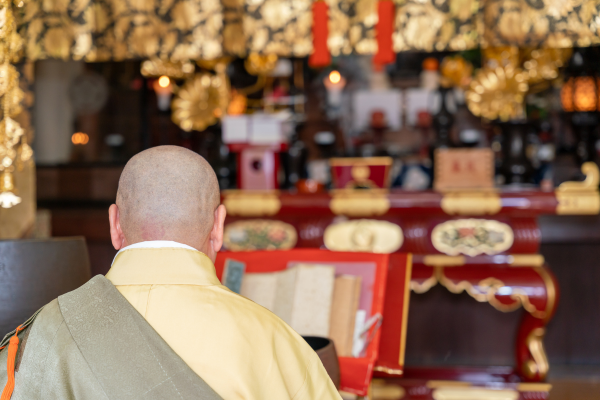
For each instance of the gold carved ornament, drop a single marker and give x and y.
(380, 389)
(156, 67)
(498, 93)
(14, 150)
(241, 203)
(465, 392)
(580, 198)
(177, 30)
(456, 71)
(352, 27)
(359, 203)
(539, 364)
(542, 65)
(202, 100)
(277, 27)
(541, 24)
(486, 289)
(259, 234)
(472, 237)
(471, 203)
(364, 235)
(428, 25)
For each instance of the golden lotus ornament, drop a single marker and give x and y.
(198, 104)
(498, 93)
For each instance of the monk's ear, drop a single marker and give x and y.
(216, 234)
(116, 233)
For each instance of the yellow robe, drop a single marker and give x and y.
(242, 350)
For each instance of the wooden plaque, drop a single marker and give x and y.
(463, 169)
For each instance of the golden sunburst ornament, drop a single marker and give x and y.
(198, 103)
(498, 93)
(543, 64)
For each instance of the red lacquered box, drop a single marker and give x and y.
(356, 373)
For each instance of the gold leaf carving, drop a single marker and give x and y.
(472, 237)
(251, 204)
(259, 234)
(364, 235)
(580, 198)
(471, 203)
(361, 203)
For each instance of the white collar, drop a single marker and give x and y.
(156, 244)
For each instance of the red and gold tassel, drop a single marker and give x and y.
(320, 31)
(386, 11)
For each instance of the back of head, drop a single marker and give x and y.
(167, 193)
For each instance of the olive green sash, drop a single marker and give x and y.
(101, 348)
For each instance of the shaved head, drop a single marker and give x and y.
(167, 193)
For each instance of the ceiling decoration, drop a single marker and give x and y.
(183, 30)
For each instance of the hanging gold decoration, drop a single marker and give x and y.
(540, 23)
(13, 144)
(500, 56)
(202, 100)
(436, 25)
(543, 64)
(212, 64)
(456, 71)
(498, 93)
(258, 64)
(156, 67)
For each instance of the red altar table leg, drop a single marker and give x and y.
(532, 362)
(506, 288)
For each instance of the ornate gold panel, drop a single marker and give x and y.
(179, 30)
(364, 235)
(474, 393)
(359, 203)
(471, 203)
(541, 23)
(438, 260)
(526, 260)
(486, 289)
(352, 27)
(259, 234)
(472, 237)
(436, 25)
(281, 27)
(251, 204)
(382, 390)
(580, 198)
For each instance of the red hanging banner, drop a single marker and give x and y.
(320, 31)
(386, 11)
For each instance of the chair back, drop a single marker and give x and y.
(35, 272)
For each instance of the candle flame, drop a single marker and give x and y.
(164, 81)
(335, 77)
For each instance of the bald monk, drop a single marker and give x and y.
(161, 325)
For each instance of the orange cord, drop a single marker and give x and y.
(13, 346)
